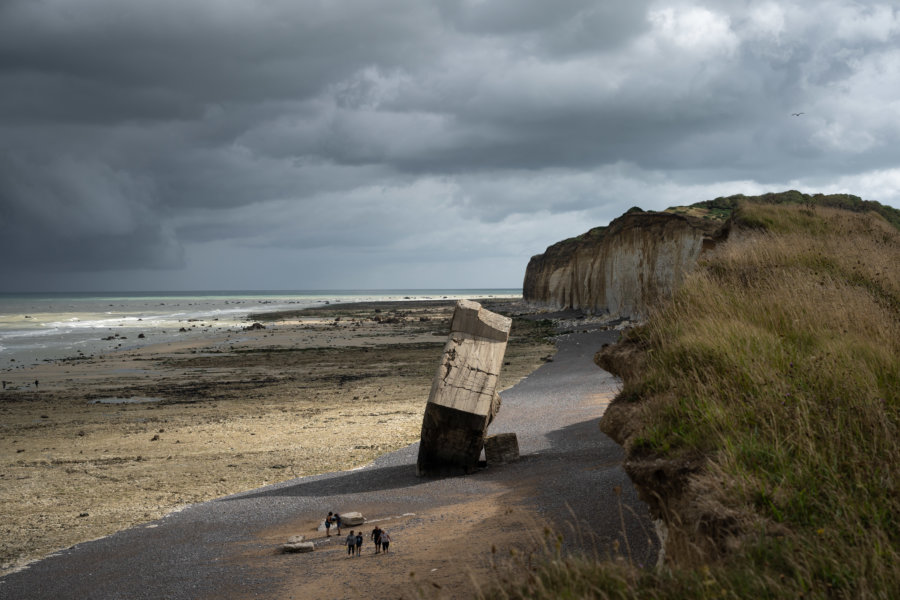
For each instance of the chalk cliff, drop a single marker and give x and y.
(622, 268)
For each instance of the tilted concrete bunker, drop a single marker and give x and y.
(463, 398)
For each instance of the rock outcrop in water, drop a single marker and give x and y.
(623, 268)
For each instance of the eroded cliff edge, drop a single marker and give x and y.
(731, 406)
(623, 268)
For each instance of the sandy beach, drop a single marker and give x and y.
(452, 537)
(105, 443)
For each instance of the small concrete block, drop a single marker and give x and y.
(501, 448)
(298, 547)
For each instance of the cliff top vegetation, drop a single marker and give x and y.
(722, 208)
(760, 414)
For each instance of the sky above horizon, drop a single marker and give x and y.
(296, 144)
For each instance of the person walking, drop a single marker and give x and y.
(359, 541)
(376, 537)
(385, 541)
(351, 543)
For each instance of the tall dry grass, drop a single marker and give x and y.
(778, 364)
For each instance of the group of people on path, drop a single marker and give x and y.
(332, 519)
(380, 536)
(354, 541)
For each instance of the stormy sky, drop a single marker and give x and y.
(300, 144)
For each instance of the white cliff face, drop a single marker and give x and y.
(621, 269)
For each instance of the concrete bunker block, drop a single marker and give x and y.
(463, 399)
(501, 448)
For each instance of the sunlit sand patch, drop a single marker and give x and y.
(601, 399)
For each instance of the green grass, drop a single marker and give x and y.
(778, 365)
(723, 208)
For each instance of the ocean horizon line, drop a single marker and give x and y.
(221, 292)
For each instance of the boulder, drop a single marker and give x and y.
(352, 519)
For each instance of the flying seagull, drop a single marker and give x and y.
(797, 114)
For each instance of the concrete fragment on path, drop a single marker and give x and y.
(501, 448)
(295, 544)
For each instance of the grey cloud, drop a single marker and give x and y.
(121, 60)
(80, 214)
(600, 26)
(508, 16)
(139, 135)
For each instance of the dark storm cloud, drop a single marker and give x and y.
(175, 137)
(75, 212)
(169, 59)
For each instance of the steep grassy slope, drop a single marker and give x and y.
(761, 418)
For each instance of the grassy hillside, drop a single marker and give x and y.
(761, 413)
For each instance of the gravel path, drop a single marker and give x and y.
(568, 475)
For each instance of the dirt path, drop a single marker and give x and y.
(439, 550)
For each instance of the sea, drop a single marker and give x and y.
(36, 328)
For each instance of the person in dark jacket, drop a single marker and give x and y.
(376, 537)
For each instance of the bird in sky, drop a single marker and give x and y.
(797, 114)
